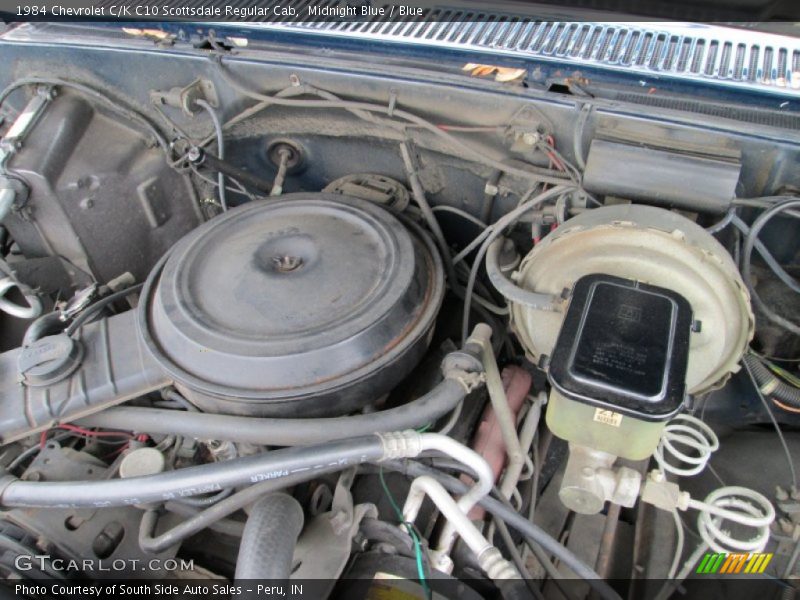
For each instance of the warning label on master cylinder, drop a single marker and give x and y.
(607, 417)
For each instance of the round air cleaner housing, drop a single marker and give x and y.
(314, 304)
(652, 246)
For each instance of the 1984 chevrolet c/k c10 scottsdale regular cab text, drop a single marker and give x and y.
(344, 300)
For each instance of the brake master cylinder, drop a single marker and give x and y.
(655, 311)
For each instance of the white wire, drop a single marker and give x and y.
(685, 431)
(220, 149)
(781, 439)
(739, 505)
(732, 504)
(679, 541)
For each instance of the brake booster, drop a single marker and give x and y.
(654, 311)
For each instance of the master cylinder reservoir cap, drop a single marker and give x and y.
(618, 368)
(624, 347)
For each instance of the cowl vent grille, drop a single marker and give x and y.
(727, 56)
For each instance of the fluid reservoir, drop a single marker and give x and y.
(618, 368)
(653, 310)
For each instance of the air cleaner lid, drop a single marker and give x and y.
(276, 299)
(624, 346)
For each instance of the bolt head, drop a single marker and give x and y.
(193, 154)
(530, 138)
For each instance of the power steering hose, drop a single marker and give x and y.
(273, 465)
(191, 481)
(211, 515)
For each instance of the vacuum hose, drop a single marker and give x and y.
(460, 372)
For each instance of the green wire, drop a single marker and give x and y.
(784, 374)
(420, 566)
(411, 531)
(424, 428)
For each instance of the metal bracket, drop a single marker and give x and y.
(324, 548)
(528, 126)
(20, 128)
(186, 97)
(85, 533)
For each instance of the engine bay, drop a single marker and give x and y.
(347, 322)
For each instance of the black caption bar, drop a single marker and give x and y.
(422, 10)
(379, 585)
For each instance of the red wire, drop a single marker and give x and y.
(118, 450)
(89, 433)
(553, 158)
(142, 437)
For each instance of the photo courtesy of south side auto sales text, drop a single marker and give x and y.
(167, 11)
(168, 590)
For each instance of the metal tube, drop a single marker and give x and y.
(505, 418)
(489, 557)
(7, 197)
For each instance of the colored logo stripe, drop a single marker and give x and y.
(733, 563)
(758, 563)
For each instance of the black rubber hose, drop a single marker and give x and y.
(208, 517)
(510, 290)
(770, 385)
(222, 166)
(241, 499)
(48, 324)
(202, 479)
(94, 309)
(269, 539)
(281, 432)
(513, 589)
